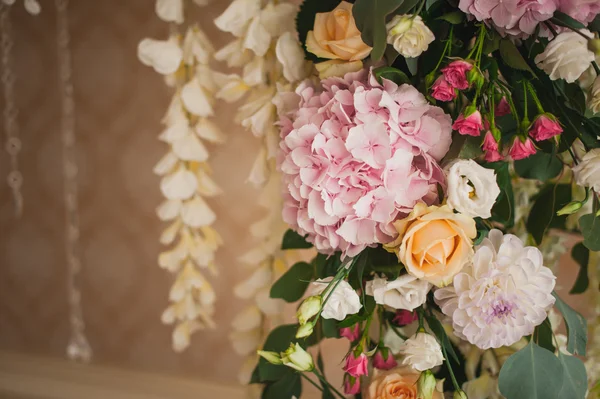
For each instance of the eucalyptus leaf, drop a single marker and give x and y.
(370, 17)
(292, 284)
(576, 327)
(293, 240)
(512, 57)
(590, 228)
(543, 334)
(581, 255)
(574, 377)
(531, 373)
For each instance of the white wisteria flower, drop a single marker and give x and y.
(163, 55)
(31, 6)
(502, 296)
(472, 189)
(237, 16)
(587, 172)
(421, 352)
(290, 55)
(593, 100)
(170, 10)
(342, 302)
(409, 35)
(406, 292)
(566, 56)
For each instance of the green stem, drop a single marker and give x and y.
(341, 274)
(596, 68)
(526, 111)
(398, 333)
(538, 104)
(324, 381)
(311, 381)
(454, 382)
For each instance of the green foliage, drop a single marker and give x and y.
(288, 386)
(512, 57)
(305, 20)
(576, 327)
(454, 17)
(327, 265)
(438, 329)
(278, 340)
(590, 228)
(293, 240)
(543, 216)
(329, 328)
(562, 19)
(365, 312)
(471, 148)
(413, 65)
(544, 336)
(540, 166)
(482, 231)
(504, 209)
(581, 255)
(574, 377)
(370, 17)
(532, 373)
(393, 74)
(291, 286)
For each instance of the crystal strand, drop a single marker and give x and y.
(78, 348)
(11, 112)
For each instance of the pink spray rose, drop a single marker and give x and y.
(544, 127)
(456, 74)
(502, 108)
(442, 90)
(491, 149)
(355, 156)
(351, 333)
(404, 317)
(351, 385)
(384, 359)
(356, 366)
(522, 150)
(470, 125)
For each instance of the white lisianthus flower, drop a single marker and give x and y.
(566, 57)
(343, 301)
(502, 296)
(587, 172)
(472, 189)
(593, 101)
(409, 35)
(422, 352)
(406, 292)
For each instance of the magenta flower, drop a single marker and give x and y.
(544, 127)
(489, 142)
(456, 74)
(384, 359)
(502, 108)
(356, 366)
(404, 317)
(442, 90)
(351, 385)
(470, 125)
(351, 333)
(522, 150)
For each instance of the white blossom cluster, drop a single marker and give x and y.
(185, 174)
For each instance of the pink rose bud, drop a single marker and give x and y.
(470, 125)
(544, 127)
(502, 108)
(493, 156)
(404, 317)
(384, 360)
(456, 74)
(351, 333)
(351, 385)
(356, 366)
(522, 150)
(442, 91)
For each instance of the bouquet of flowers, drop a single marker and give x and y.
(432, 159)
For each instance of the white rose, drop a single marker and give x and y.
(593, 101)
(409, 35)
(422, 352)
(342, 302)
(587, 172)
(406, 292)
(472, 189)
(566, 57)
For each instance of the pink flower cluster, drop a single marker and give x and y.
(453, 78)
(355, 156)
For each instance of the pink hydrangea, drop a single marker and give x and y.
(582, 10)
(355, 156)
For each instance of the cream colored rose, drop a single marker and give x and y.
(400, 383)
(434, 243)
(409, 35)
(336, 37)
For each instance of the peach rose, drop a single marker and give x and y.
(336, 37)
(399, 383)
(434, 243)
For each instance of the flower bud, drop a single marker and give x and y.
(384, 359)
(309, 308)
(426, 385)
(271, 357)
(570, 208)
(594, 46)
(460, 394)
(475, 78)
(297, 358)
(305, 330)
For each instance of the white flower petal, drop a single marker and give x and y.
(175, 132)
(32, 7)
(259, 279)
(179, 185)
(268, 305)
(422, 352)
(207, 79)
(166, 164)
(202, 253)
(181, 335)
(190, 148)
(246, 342)
(248, 319)
(163, 55)
(262, 121)
(196, 47)
(234, 54)
(259, 174)
(291, 56)
(196, 213)
(245, 372)
(233, 89)
(255, 256)
(195, 99)
(255, 72)
(175, 113)
(206, 186)
(168, 210)
(170, 10)
(170, 233)
(209, 131)
(279, 19)
(236, 17)
(257, 38)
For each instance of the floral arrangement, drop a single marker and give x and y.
(434, 155)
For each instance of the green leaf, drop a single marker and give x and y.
(595, 24)
(512, 57)
(430, 3)
(438, 329)
(531, 373)
(327, 265)
(293, 240)
(278, 340)
(574, 377)
(581, 255)
(305, 20)
(289, 385)
(413, 65)
(590, 228)
(576, 327)
(543, 213)
(543, 334)
(503, 210)
(291, 286)
(492, 42)
(393, 74)
(406, 6)
(329, 328)
(454, 17)
(540, 166)
(562, 19)
(471, 148)
(370, 20)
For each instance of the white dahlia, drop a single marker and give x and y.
(502, 296)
